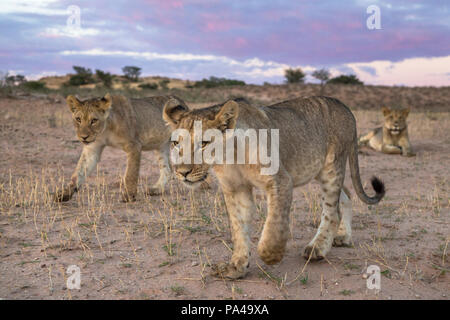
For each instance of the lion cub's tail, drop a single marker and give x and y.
(377, 184)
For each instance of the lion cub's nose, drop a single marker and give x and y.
(184, 171)
(84, 137)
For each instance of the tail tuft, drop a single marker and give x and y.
(379, 188)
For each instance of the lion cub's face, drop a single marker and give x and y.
(89, 116)
(395, 120)
(178, 116)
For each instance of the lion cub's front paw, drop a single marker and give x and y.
(63, 196)
(342, 241)
(154, 191)
(228, 271)
(313, 253)
(128, 197)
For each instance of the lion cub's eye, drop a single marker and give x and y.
(94, 121)
(78, 119)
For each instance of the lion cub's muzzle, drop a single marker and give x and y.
(86, 139)
(395, 130)
(189, 177)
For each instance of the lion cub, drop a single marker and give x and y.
(133, 125)
(392, 138)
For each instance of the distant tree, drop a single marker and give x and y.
(132, 73)
(345, 79)
(323, 75)
(14, 80)
(82, 76)
(104, 77)
(294, 75)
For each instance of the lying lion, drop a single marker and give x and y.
(316, 137)
(392, 138)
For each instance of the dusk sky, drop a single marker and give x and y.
(253, 40)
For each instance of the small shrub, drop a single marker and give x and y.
(213, 82)
(82, 76)
(149, 86)
(345, 79)
(34, 85)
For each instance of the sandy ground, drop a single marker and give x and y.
(162, 247)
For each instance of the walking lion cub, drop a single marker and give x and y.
(133, 125)
(317, 136)
(393, 137)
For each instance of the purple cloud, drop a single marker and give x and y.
(286, 33)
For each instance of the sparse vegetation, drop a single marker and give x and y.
(214, 82)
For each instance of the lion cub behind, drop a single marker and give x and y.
(133, 125)
(393, 137)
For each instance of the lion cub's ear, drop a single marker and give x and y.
(73, 103)
(386, 111)
(173, 111)
(105, 102)
(405, 112)
(227, 116)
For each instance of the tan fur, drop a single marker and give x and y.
(317, 135)
(393, 137)
(133, 125)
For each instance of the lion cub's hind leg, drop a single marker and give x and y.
(331, 178)
(344, 233)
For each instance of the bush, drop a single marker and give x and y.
(213, 82)
(104, 77)
(132, 73)
(82, 76)
(345, 79)
(150, 86)
(34, 85)
(294, 75)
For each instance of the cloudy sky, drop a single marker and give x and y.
(252, 40)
